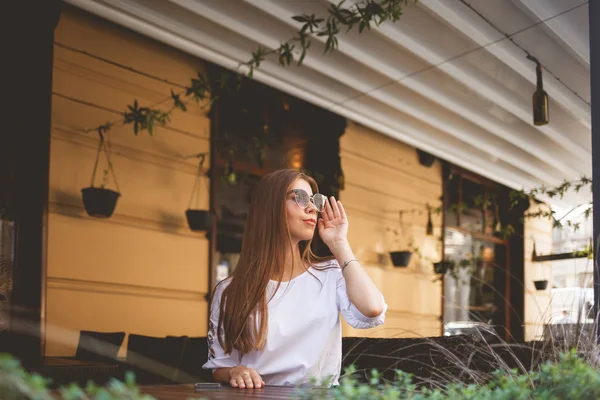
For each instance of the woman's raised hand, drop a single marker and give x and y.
(333, 224)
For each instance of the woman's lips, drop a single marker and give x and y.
(311, 222)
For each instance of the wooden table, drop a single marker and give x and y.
(63, 370)
(184, 392)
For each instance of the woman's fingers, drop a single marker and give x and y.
(334, 207)
(240, 382)
(321, 224)
(329, 211)
(256, 380)
(341, 208)
(324, 216)
(248, 380)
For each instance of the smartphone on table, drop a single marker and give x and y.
(206, 386)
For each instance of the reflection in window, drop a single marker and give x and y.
(474, 282)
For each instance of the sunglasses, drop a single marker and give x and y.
(303, 199)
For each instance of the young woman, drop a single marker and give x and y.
(276, 321)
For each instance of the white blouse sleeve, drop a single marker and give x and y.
(351, 314)
(216, 355)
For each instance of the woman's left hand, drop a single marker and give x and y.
(333, 224)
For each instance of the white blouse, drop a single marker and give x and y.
(304, 339)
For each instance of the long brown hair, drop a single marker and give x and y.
(243, 317)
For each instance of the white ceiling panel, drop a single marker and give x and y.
(444, 78)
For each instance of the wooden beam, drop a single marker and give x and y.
(594, 14)
(26, 142)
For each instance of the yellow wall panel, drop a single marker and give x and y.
(81, 30)
(380, 179)
(101, 307)
(106, 251)
(383, 177)
(384, 150)
(537, 303)
(142, 270)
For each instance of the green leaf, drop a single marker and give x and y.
(300, 18)
(198, 89)
(286, 54)
(302, 55)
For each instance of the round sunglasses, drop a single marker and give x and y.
(303, 199)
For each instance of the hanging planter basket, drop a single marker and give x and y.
(100, 202)
(540, 285)
(400, 259)
(441, 267)
(198, 220)
(425, 158)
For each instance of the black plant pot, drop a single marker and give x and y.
(441, 267)
(198, 220)
(540, 285)
(400, 258)
(425, 158)
(99, 202)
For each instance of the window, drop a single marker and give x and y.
(476, 285)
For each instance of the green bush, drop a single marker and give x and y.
(17, 384)
(569, 378)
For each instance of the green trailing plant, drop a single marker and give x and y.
(453, 268)
(360, 15)
(554, 192)
(587, 251)
(505, 231)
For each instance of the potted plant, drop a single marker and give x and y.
(100, 202)
(198, 219)
(541, 285)
(425, 158)
(461, 270)
(441, 267)
(401, 258)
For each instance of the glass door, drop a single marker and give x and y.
(475, 285)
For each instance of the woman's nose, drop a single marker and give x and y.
(311, 208)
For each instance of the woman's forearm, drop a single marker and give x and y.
(361, 290)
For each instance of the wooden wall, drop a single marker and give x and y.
(383, 176)
(142, 270)
(538, 310)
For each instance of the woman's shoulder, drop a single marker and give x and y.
(326, 264)
(327, 268)
(218, 291)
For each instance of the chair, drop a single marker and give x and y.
(154, 359)
(195, 354)
(422, 357)
(99, 346)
